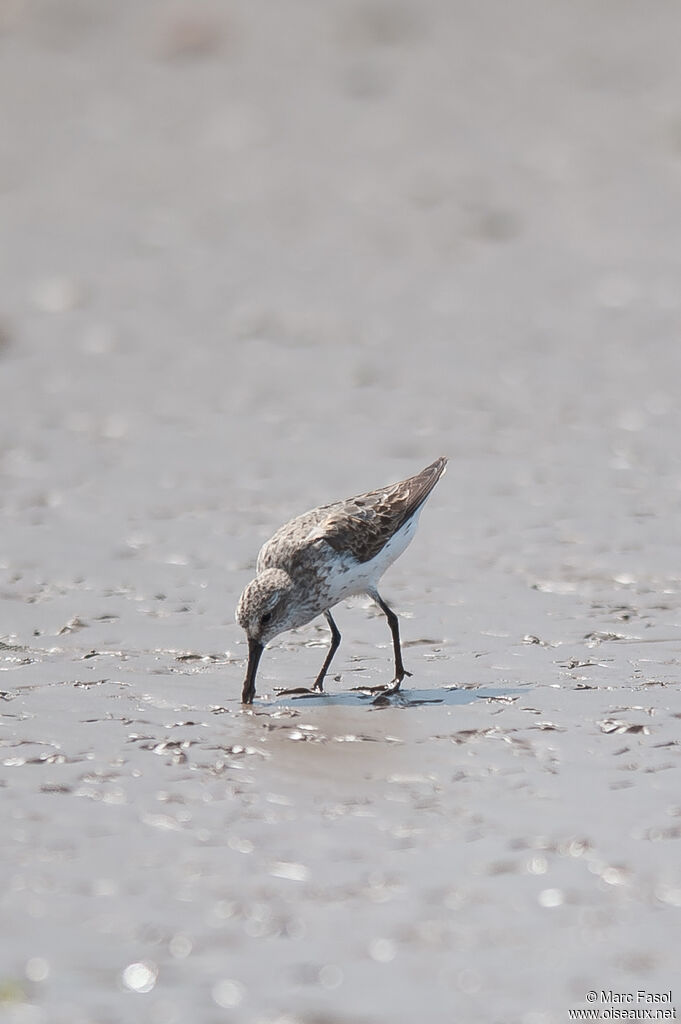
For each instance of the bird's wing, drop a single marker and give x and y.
(364, 524)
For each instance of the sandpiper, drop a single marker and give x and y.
(326, 555)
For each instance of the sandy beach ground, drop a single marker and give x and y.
(256, 257)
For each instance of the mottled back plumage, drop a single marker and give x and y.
(360, 526)
(364, 524)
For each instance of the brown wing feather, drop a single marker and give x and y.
(364, 524)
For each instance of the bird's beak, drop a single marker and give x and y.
(255, 649)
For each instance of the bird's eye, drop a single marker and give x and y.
(266, 618)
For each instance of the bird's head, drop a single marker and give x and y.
(263, 611)
(263, 607)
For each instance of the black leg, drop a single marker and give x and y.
(319, 681)
(393, 622)
(335, 641)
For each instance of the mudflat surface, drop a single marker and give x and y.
(257, 257)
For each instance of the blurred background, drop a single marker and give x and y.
(321, 244)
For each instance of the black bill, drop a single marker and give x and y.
(255, 649)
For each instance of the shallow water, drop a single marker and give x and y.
(286, 257)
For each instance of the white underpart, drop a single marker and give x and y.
(347, 577)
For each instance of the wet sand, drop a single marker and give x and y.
(257, 258)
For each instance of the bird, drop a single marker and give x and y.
(324, 556)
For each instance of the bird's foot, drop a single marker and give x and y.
(300, 691)
(386, 689)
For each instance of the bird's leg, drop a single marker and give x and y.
(319, 681)
(400, 670)
(393, 622)
(335, 642)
